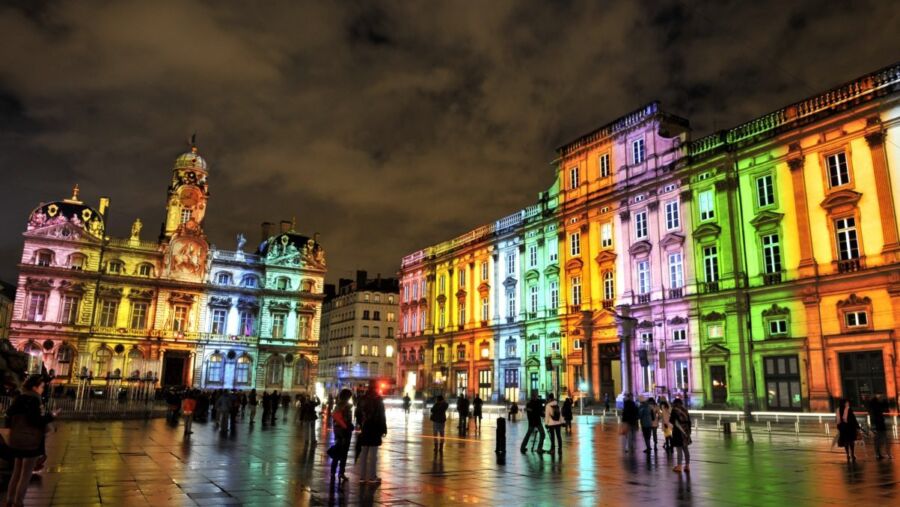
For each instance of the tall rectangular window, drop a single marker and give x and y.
(247, 324)
(573, 178)
(532, 299)
(461, 277)
(576, 290)
(70, 305)
(604, 165)
(606, 239)
(609, 285)
(771, 254)
(109, 309)
(848, 244)
(532, 256)
(554, 294)
(765, 191)
(640, 225)
(673, 219)
(461, 310)
(681, 374)
(637, 151)
(442, 317)
(511, 264)
(485, 309)
(711, 263)
(37, 306)
(510, 304)
(218, 321)
(139, 315)
(838, 173)
(707, 205)
(676, 271)
(575, 244)
(442, 283)
(484, 271)
(552, 249)
(278, 323)
(643, 272)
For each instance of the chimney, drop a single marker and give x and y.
(104, 205)
(360, 279)
(285, 226)
(266, 228)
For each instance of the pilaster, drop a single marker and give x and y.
(891, 249)
(807, 266)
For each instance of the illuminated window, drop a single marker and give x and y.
(676, 272)
(218, 321)
(554, 294)
(510, 304)
(461, 312)
(180, 320)
(389, 351)
(247, 323)
(278, 322)
(606, 239)
(139, 315)
(511, 263)
(707, 205)
(771, 254)
(643, 272)
(575, 244)
(44, 258)
(681, 374)
(485, 306)
(102, 359)
(532, 256)
(215, 369)
(532, 299)
(70, 304)
(242, 370)
(77, 261)
(484, 271)
(711, 263)
(108, 312)
(576, 290)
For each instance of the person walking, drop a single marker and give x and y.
(665, 411)
(567, 414)
(534, 410)
(438, 421)
(407, 403)
(877, 408)
(188, 404)
(554, 421)
(28, 426)
(476, 412)
(513, 411)
(848, 428)
(681, 435)
(647, 417)
(308, 417)
(605, 403)
(252, 401)
(223, 411)
(629, 422)
(462, 408)
(342, 423)
(374, 429)
(244, 402)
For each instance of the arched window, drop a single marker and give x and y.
(35, 357)
(44, 257)
(223, 278)
(215, 369)
(307, 285)
(77, 261)
(102, 361)
(145, 269)
(250, 281)
(135, 357)
(302, 372)
(242, 370)
(64, 357)
(274, 371)
(115, 266)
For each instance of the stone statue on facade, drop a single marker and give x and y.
(241, 241)
(136, 229)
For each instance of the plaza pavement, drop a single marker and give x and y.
(133, 463)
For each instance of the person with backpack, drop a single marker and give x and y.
(554, 421)
(534, 409)
(439, 420)
(681, 435)
(567, 414)
(476, 413)
(648, 419)
(342, 422)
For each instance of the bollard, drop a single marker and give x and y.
(797, 427)
(769, 426)
(827, 430)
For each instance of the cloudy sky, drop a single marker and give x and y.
(384, 126)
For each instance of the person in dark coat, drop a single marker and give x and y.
(374, 429)
(266, 406)
(27, 420)
(462, 409)
(252, 401)
(848, 428)
(534, 411)
(513, 411)
(274, 401)
(681, 435)
(342, 422)
(567, 414)
(877, 408)
(630, 422)
(476, 412)
(439, 420)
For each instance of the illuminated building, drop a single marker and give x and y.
(762, 259)
(359, 323)
(174, 309)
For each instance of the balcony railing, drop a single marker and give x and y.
(771, 278)
(574, 308)
(608, 304)
(676, 293)
(849, 265)
(708, 287)
(641, 299)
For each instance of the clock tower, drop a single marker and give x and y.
(182, 232)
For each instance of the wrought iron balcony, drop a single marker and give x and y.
(709, 286)
(608, 304)
(640, 299)
(772, 278)
(676, 293)
(849, 265)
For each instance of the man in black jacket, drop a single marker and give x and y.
(462, 408)
(877, 408)
(534, 410)
(630, 419)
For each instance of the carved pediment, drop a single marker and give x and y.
(532, 362)
(713, 316)
(716, 350)
(645, 324)
(140, 294)
(854, 300)
(38, 283)
(279, 306)
(248, 304)
(441, 299)
(574, 264)
(461, 294)
(766, 220)
(841, 201)
(775, 310)
(640, 248)
(307, 308)
(532, 274)
(70, 286)
(181, 297)
(551, 270)
(707, 230)
(672, 239)
(110, 292)
(64, 231)
(510, 282)
(484, 288)
(606, 257)
(678, 320)
(220, 301)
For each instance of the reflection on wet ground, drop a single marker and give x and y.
(139, 463)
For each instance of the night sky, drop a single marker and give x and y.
(384, 126)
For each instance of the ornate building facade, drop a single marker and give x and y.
(175, 310)
(758, 265)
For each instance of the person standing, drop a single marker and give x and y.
(462, 408)
(28, 426)
(407, 403)
(438, 421)
(534, 410)
(273, 402)
(554, 421)
(848, 428)
(681, 435)
(629, 422)
(665, 412)
(341, 421)
(646, 417)
(567, 414)
(244, 402)
(877, 408)
(251, 400)
(476, 412)
(308, 416)
(266, 406)
(285, 405)
(605, 403)
(513, 411)
(188, 404)
(223, 411)
(374, 429)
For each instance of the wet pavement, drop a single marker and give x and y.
(137, 463)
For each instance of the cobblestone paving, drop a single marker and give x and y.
(134, 463)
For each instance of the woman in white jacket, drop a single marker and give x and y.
(665, 412)
(553, 420)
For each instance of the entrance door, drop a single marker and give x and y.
(719, 384)
(173, 370)
(485, 384)
(862, 375)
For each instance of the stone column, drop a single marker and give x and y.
(807, 266)
(819, 397)
(891, 250)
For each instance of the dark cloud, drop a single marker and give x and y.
(385, 126)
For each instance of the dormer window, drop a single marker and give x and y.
(223, 278)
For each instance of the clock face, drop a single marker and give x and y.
(190, 197)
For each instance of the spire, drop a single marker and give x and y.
(74, 197)
(194, 142)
